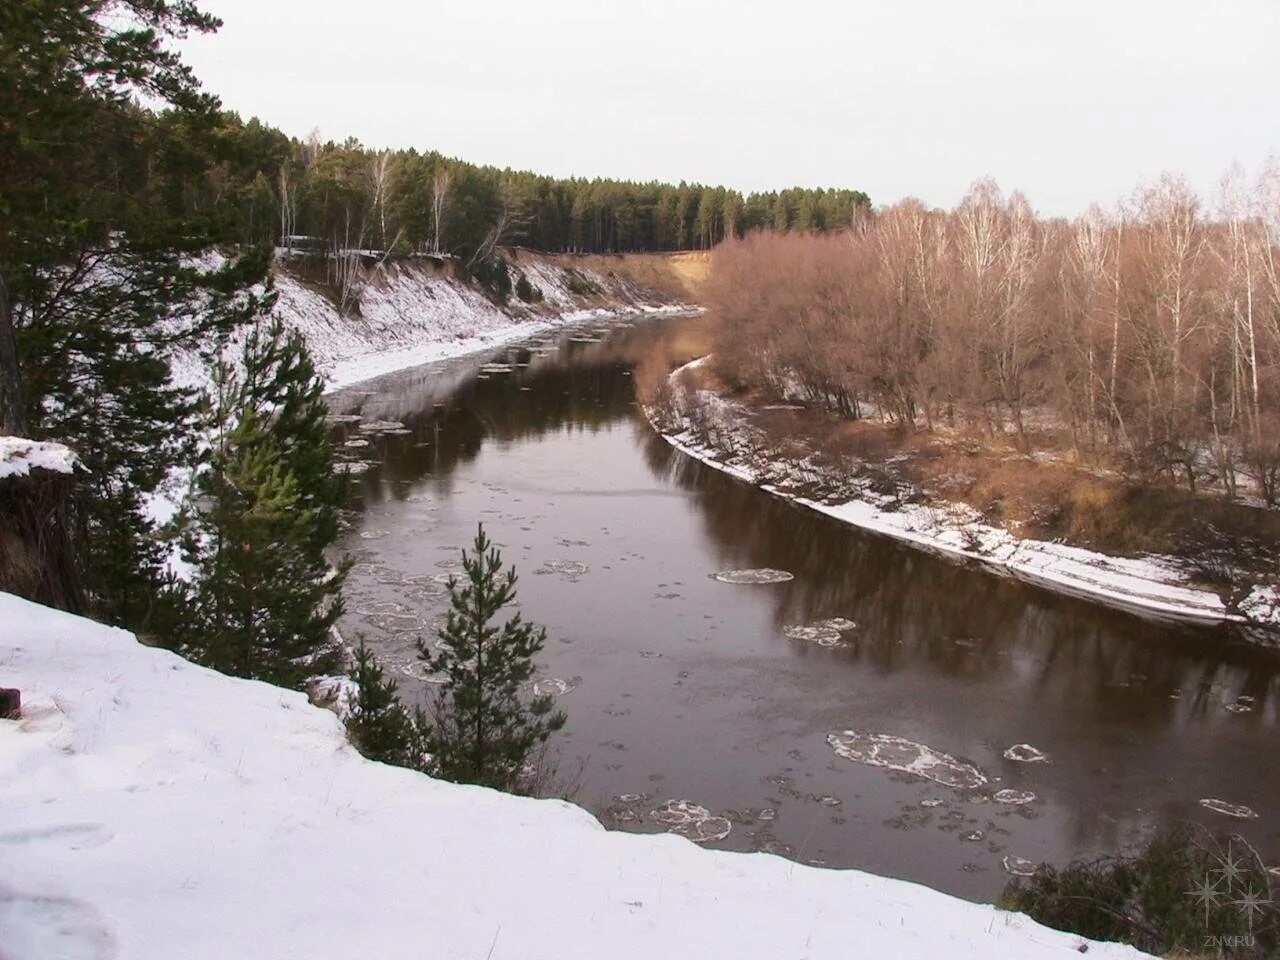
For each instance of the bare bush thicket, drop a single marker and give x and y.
(1147, 338)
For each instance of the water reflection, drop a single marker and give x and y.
(691, 691)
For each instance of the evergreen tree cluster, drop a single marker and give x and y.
(345, 195)
(264, 595)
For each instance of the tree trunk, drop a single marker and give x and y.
(13, 414)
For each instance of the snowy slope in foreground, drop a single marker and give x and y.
(154, 810)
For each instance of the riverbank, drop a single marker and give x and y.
(412, 312)
(723, 433)
(156, 809)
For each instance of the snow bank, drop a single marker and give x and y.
(19, 456)
(152, 809)
(413, 313)
(1153, 585)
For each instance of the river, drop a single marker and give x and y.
(684, 687)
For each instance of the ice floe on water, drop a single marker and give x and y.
(761, 575)
(822, 636)
(380, 426)
(691, 821)
(1019, 866)
(837, 623)
(344, 418)
(374, 534)
(357, 442)
(907, 756)
(496, 368)
(572, 569)
(1237, 810)
(825, 633)
(554, 686)
(1015, 797)
(1026, 753)
(352, 467)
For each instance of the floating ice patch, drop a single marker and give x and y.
(837, 623)
(386, 608)
(496, 368)
(357, 442)
(1026, 753)
(819, 633)
(691, 821)
(1016, 797)
(344, 418)
(569, 568)
(554, 686)
(973, 836)
(374, 534)
(931, 802)
(907, 756)
(762, 575)
(352, 467)
(632, 797)
(1239, 707)
(1019, 866)
(1237, 810)
(380, 426)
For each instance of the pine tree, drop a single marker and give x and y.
(379, 725)
(101, 273)
(483, 729)
(264, 595)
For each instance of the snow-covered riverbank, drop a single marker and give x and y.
(416, 312)
(152, 809)
(717, 432)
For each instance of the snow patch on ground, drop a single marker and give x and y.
(19, 456)
(156, 809)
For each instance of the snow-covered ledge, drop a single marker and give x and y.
(151, 809)
(19, 456)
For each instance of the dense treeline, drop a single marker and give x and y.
(1150, 335)
(131, 236)
(346, 196)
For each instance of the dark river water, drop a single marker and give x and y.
(687, 688)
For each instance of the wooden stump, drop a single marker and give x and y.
(10, 704)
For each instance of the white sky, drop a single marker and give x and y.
(1069, 100)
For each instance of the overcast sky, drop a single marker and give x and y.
(1071, 100)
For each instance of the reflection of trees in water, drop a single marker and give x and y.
(913, 607)
(1119, 694)
(1091, 683)
(451, 413)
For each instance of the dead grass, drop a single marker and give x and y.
(1056, 499)
(670, 276)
